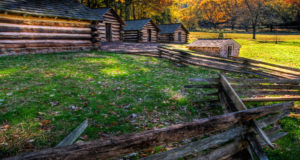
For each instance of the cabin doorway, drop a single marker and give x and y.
(149, 35)
(179, 37)
(229, 51)
(108, 32)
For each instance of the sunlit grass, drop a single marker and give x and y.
(44, 97)
(285, 52)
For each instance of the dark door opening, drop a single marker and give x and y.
(179, 36)
(229, 52)
(108, 32)
(149, 35)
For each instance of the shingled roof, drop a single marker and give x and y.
(170, 28)
(70, 9)
(137, 25)
(102, 11)
(218, 43)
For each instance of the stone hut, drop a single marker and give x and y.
(218, 47)
(45, 26)
(173, 33)
(143, 30)
(111, 28)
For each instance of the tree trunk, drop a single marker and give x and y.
(133, 12)
(127, 9)
(121, 9)
(271, 28)
(254, 31)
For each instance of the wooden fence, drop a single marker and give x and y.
(253, 90)
(236, 133)
(230, 134)
(233, 64)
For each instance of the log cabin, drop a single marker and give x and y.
(111, 28)
(46, 26)
(217, 47)
(143, 30)
(173, 33)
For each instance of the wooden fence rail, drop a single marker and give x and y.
(232, 64)
(256, 90)
(119, 146)
(235, 132)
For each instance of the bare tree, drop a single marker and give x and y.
(256, 10)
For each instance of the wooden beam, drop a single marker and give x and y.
(70, 139)
(215, 140)
(266, 93)
(270, 80)
(238, 103)
(227, 151)
(272, 86)
(116, 147)
(256, 147)
(271, 99)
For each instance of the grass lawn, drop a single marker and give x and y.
(44, 97)
(286, 52)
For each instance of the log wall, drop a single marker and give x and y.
(144, 32)
(20, 34)
(132, 36)
(166, 38)
(117, 27)
(173, 38)
(184, 36)
(209, 50)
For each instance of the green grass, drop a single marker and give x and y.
(286, 52)
(44, 97)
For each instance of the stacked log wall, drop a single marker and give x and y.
(154, 33)
(116, 26)
(165, 38)
(25, 34)
(209, 50)
(131, 36)
(184, 36)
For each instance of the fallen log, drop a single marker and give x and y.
(122, 145)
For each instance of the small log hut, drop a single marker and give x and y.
(46, 26)
(218, 47)
(143, 30)
(173, 33)
(111, 28)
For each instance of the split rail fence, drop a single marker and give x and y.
(232, 64)
(235, 134)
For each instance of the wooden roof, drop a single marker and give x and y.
(137, 25)
(70, 9)
(219, 43)
(170, 28)
(102, 11)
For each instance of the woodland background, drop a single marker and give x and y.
(212, 14)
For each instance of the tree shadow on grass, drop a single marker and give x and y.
(51, 94)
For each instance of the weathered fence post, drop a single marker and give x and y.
(159, 52)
